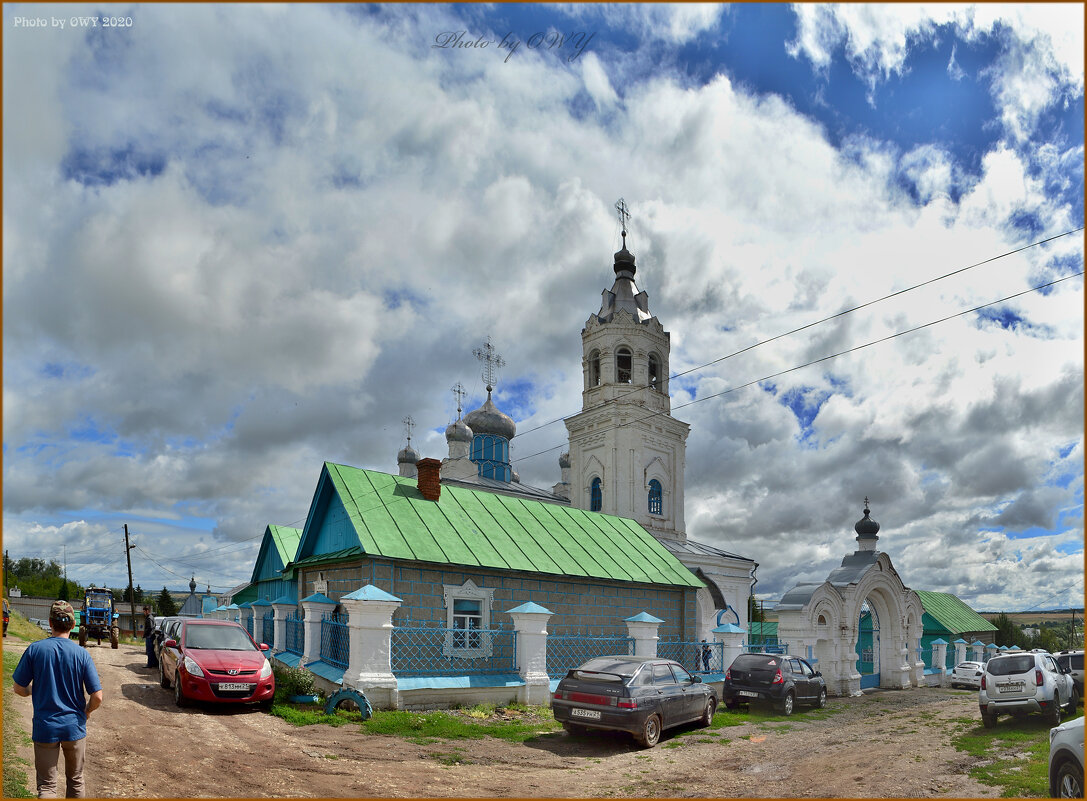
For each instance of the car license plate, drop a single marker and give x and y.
(748, 694)
(591, 714)
(1010, 688)
(227, 686)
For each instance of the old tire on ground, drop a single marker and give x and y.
(347, 699)
(573, 728)
(787, 704)
(179, 694)
(164, 683)
(1054, 716)
(650, 733)
(83, 636)
(707, 713)
(114, 637)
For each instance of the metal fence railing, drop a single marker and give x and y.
(334, 640)
(249, 624)
(428, 651)
(697, 657)
(764, 647)
(926, 655)
(568, 651)
(268, 630)
(295, 635)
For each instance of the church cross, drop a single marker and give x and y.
(459, 392)
(409, 424)
(491, 361)
(624, 214)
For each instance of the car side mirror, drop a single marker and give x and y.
(696, 679)
(817, 673)
(170, 643)
(264, 646)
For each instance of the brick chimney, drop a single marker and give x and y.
(430, 484)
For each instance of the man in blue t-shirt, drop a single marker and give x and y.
(57, 673)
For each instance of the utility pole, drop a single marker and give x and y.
(132, 588)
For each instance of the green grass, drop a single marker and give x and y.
(513, 724)
(16, 778)
(1014, 755)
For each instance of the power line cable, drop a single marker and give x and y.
(827, 358)
(826, 319)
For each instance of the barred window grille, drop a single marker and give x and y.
(656, 498)
(596, 496)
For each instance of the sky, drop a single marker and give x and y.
(241, 240)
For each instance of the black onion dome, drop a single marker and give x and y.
(487, 419)
(866, 526)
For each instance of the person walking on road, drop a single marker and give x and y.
(149, 638)
(63, 683)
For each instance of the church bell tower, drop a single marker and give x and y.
(627, 452)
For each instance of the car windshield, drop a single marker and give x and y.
(1011, 665)
(218, 638)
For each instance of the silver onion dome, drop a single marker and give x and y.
(458, 432)
(407, 455)
(487, 419)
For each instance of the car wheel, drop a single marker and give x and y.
(707, 713)
(1054, 716)
(651, 732)
(1073, 702)
(732, 704)
(179, 694)
(987, 720)
(164, 683)
(574, 729)
(822, 702)
(1070, 781)
(785, 707)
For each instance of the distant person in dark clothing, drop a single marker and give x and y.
(59, 675)
(705, 656)
(149, 638)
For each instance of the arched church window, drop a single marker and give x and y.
(654, 372)
(656, 498)
(822, 621)
(594, 369)
(623, 365)
(596, 496)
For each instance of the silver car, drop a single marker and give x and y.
(1066, 760)
(1023, 683)
(968, 675)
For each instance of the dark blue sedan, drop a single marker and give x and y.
(640, 695)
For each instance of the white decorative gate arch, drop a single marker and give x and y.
(821, 621)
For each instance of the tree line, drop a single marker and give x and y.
(1052, 636)
(46, 579)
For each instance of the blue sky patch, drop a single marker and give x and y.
(105, 166)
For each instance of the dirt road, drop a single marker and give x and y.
(139, 745)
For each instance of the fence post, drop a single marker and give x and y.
(939, 658)
(245, 613)
(281, 607)
(643, 628)
(315, 606)
(960, 650)
(732, 638)
(259, 607)
(530, 623)
(370, 613)
(991, 650)
(977, 649)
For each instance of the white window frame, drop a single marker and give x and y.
(468, 591)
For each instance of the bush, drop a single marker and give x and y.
(293, 681)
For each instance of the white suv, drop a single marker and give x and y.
(1073, 660)
(1016, 684)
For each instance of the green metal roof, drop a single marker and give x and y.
(951, 613)
(286, 541)
(469, 527)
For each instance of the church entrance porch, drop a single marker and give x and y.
(868, 647)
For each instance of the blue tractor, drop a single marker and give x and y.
(97, 618)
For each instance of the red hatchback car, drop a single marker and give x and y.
(216, 660)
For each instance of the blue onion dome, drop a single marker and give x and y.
(564, 459)
(407, 456)
(866, 526)
(487, 419)
(458, 432)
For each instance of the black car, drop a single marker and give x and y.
(780, 679)
(165, 627)
(640, 695)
